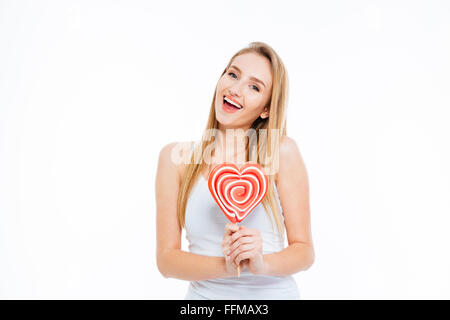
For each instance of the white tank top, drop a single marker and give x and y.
(205, 226)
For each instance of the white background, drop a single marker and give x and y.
(90, 91)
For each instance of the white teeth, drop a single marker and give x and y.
(233, 103)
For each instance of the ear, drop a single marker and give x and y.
(264, 114)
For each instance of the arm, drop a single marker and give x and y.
(293, 191)
(171, 260)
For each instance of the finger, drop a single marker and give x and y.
(240, 241)
(244, 255)
(225, 251)
(241, 249)
(244, 232)
(244, 239)
(244, 262)
(231, 228)
(228, 260)
(226, 242)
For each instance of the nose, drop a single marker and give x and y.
(235, 89)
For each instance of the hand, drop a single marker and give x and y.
(246, 246)
(226, 243)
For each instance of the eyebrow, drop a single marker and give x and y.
(253, 78)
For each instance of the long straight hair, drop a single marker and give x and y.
(264, 147)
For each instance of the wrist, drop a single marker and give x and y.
(229, 272)
(265, 267)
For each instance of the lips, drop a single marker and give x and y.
(229, 108)
(233, 101)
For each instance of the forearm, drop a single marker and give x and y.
(296, 257)
(179, 264)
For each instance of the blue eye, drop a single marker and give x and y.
(255, 87)
(235, 77)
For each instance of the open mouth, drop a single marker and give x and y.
(230, 105)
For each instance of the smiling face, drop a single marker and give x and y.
(246, 84)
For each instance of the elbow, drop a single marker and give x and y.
(162, 265)
(309, 265)
(307, 258)
(163, 272)
(311, 258)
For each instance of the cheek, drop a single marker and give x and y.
(254, 103)
(223, 80)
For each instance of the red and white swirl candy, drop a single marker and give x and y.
(237, 191)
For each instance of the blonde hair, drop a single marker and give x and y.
(276, 120)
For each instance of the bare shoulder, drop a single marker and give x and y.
(288, 146)
(290, 158)
(173, 156)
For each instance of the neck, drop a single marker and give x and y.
(230, 145)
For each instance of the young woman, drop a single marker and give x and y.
(250, 98)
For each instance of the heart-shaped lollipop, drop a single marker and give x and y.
(237, 191)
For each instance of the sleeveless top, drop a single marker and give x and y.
(205, 227)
